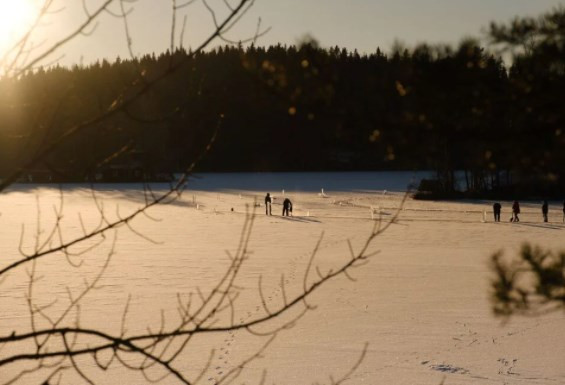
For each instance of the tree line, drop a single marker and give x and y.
(460, 111)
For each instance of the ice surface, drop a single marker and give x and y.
(421, 303)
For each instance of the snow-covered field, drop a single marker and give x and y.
(421, 304)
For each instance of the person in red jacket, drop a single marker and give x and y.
(515, 211)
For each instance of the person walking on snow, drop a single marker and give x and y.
(515, 211)
(496, 210)
(544, 210)
(268, 204)
(287, 207)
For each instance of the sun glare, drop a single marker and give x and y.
(16, 17)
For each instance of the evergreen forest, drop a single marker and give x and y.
(461, 110)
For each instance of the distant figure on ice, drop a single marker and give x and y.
(268, 204)
(563, 211)
(287, 207)
(515, 211)
(496, 210)
(544, 210)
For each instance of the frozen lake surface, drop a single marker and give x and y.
(310, 181)
(421, 303)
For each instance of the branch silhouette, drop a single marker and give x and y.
(56, 342)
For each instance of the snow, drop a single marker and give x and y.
(421, 304)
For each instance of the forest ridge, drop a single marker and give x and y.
(301, 108)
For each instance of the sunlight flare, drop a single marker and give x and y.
(15, 19)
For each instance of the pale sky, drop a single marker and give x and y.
(361, 24)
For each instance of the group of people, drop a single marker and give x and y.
(287, 206)
(496, 208)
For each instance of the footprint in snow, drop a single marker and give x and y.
(446, 368)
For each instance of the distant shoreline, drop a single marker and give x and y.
(380, 182)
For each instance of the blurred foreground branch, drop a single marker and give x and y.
(531, 284)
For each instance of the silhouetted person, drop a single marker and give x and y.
(544, 210)
(563, 211)
(496, 210)
(268, 204)
(515, 211)
(287, 207)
